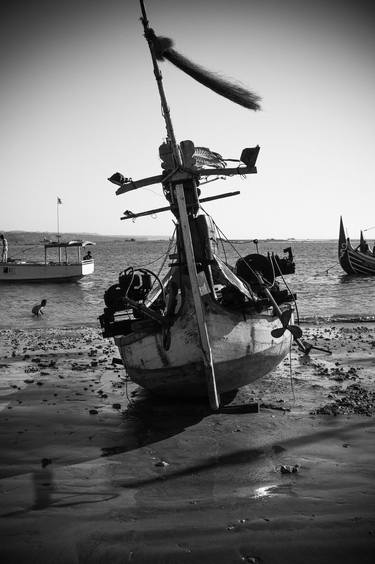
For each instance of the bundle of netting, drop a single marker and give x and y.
(163, 49)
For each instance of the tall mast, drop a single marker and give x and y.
(179, 197)
(149, 34)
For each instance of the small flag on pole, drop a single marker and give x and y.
(59, 200)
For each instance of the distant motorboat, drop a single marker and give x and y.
(359, 261)
(62, 267)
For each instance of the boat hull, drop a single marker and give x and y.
(41, 272)
(243, 350)
(357, 263)
(353, 261)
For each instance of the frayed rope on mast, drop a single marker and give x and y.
(163, 49)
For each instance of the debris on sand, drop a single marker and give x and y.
(287, 469)
(356, 400)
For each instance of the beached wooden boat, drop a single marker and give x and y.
(359, 261)
(206, 328)
(60, 266)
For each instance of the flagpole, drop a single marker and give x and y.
(58, 202)
(58, 221)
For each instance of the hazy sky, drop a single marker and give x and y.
(79, 102)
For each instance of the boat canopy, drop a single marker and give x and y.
(65, 244)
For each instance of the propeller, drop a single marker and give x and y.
(294, 329)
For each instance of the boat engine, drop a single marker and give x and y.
(250, 266)
(132, 290)
(270, 266)
(128, 297)
(261, 271)
(136, 284)
(284, 265)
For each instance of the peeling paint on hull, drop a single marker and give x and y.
(189, 380)
(243, 350)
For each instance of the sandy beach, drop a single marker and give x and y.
(94, 470)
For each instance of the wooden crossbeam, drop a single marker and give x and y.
(159, 210)
(135, 184)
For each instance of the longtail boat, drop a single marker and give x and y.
(206, 327)
(360, 260)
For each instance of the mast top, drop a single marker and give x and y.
(149, 35)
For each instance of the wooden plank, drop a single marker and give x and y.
(226, 171)
(202, 326)
(160, 178)
(166, 208)
(133, 185)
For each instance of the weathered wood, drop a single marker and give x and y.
(227, 171)
(134, 184)
(202, 327)
(243, 351)
(354, 261)
(166, 208)
(148, 312)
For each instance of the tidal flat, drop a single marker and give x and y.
(95, 470)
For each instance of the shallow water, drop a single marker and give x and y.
(324, 291)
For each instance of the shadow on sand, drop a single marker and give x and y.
(153, 419)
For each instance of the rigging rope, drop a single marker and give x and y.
(236, 251)
(333, 266)
(291, 371)
(272, 263)
(290, 292)
(164, 255)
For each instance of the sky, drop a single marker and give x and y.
(79, 102)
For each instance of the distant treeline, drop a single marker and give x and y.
(35, 237)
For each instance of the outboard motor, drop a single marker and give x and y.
(125, 301)
(286, 264)
(114, 298)
(260, 271)
(135, 284)
(255, 263)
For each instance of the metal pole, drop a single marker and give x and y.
(58, 230)
(58, 221)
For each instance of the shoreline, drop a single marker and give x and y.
(308, 321)
(93, 469)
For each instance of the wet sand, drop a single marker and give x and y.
(93, 470)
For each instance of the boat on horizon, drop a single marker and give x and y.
(359, 261)
(207, 327)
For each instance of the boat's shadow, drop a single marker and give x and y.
(149, 418)
(153, 420)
